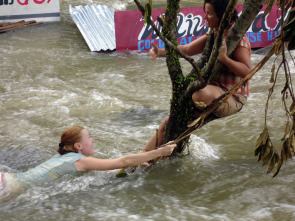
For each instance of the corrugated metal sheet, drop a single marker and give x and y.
(96, 24)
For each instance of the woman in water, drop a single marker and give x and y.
(75, 149)
(235, 68)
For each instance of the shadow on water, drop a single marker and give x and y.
(21, 158)
(141, 116)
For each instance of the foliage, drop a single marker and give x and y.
(148, 11)
(121, 173)
(265, 149)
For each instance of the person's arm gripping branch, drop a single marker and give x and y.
(195, 47)
(156, 52)
(91, 163)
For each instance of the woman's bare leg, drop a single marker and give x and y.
(151, 144)
(207, 95)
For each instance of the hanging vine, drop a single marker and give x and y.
(265, 150)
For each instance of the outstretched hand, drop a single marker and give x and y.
(154, 52)
(165, 150)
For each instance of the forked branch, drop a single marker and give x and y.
(168, 43)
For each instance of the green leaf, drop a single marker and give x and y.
(151, 5)
(148, 10)
(145, 16)
(121, 173)
(147, 13)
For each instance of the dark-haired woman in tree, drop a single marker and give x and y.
(235, 68)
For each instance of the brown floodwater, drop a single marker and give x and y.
(50, 80)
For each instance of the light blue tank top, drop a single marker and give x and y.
(51, 169)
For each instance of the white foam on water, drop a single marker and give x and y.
(200, 149)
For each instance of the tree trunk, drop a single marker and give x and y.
(180, 106)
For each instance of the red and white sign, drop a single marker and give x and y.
(132, 34)
(38, 10)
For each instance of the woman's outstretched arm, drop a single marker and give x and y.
(92, 163)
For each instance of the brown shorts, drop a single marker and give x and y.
(231, 106)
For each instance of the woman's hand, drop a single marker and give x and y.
(223, 52)
(167, 149)
(154, 52)
(239, 63)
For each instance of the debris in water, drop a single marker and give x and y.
(10, 26)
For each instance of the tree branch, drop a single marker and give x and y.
(170, 44)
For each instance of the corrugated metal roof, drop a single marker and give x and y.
(96, 24)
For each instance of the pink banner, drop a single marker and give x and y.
(132, 34)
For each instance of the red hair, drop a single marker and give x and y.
(68, 138)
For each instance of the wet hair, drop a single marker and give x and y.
(68, 138)
(220, 7)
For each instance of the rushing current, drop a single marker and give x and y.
(50, 80)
